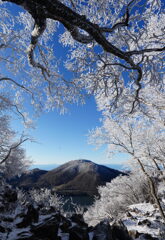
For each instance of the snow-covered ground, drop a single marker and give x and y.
(144, 218)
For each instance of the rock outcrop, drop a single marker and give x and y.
(20, 222)
(29, 222)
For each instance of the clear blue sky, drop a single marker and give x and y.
(64, 137)
(61, 138)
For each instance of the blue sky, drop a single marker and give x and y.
(60, 138)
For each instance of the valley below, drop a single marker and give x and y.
(76, 181)
(73, 202)
(74, 178)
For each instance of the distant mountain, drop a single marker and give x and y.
(48, 167)
(75, 177)
(28, 179)
(78, 177)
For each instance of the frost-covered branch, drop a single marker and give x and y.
(13, 159)
(17, 84)
(124, 23)
(131, 43)
(39, 27)
(15, 146)
(149, 50)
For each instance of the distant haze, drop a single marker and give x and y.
(52, 166)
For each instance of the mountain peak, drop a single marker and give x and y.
(75, 177)
(83, 160)
(78, 176)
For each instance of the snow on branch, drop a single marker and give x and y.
(86, 31)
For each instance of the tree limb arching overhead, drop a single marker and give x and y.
(74, 22)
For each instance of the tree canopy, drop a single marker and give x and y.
(116, 51)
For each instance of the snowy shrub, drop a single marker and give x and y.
(44, 198)
(116, 196)
(74, 208)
